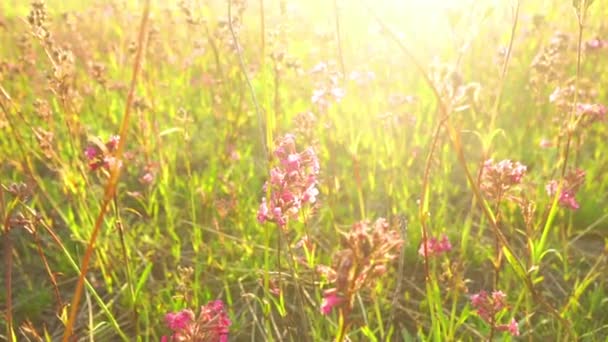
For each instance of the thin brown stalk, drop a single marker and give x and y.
(254, 97)
(114, 175)
(262, 32)
(339, 38)
(572, 119)
(48, 270)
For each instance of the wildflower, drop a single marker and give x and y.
(212, 324)
(571, 184)
(292, 183)
(498, 178)
(596, 44)
(147, 178)
(591, 112)
(512, 328)
(100, 155)
(179, 320)
(362, 78)
(330, 300)
(366, 251)
(435, 247)
(489, 306)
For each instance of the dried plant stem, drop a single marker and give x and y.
(125, 256)
(339, 38)
(114, 175)
(572, 120)
(254, 98)
(505, 66)
(262, 33)
(47, 267)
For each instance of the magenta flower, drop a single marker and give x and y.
(488, 307)
(572, 183)
(514, 327)
(212, 324)
(102, 157)
(330, 300)
(179, 320)
(435, 247)
(498, 178)
(293, 183)
(596, 44)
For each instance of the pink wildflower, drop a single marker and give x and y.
(497, 178)
(179, 320)
(292, 183)
(212, 324)
(435, 247)
(487, 306)
(595, 44)
(98, 157)
(593, 112)
(330, 300)
(572, 183)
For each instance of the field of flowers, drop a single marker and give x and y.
(291, 170)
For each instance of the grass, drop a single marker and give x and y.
(402, 105)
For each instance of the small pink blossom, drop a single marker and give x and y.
(293, 183)
(436, 247)
(571, 184)
(98, 157)
(498, 177)
(147, 178)
(330, 300)
(592, 111)
(212, 324)
(487, 306)
(90, 152)
(179, 320)
(545, 143)
(596, 44)
(514, 327)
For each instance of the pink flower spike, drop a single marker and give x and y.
(179, 320)
(445, 245)
(513, 327)
(329, 301)
(90, 152)
(566, 199)
(263, 211)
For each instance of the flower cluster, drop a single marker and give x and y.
(498, 178)
(367, 249)
(488, 306)
(435, 247)
(327, 86)
(596, 44)
(292, 183)
(572, 183)
(212, 324)
(590, 113)
(100, 155)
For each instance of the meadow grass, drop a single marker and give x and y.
(303, 170)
